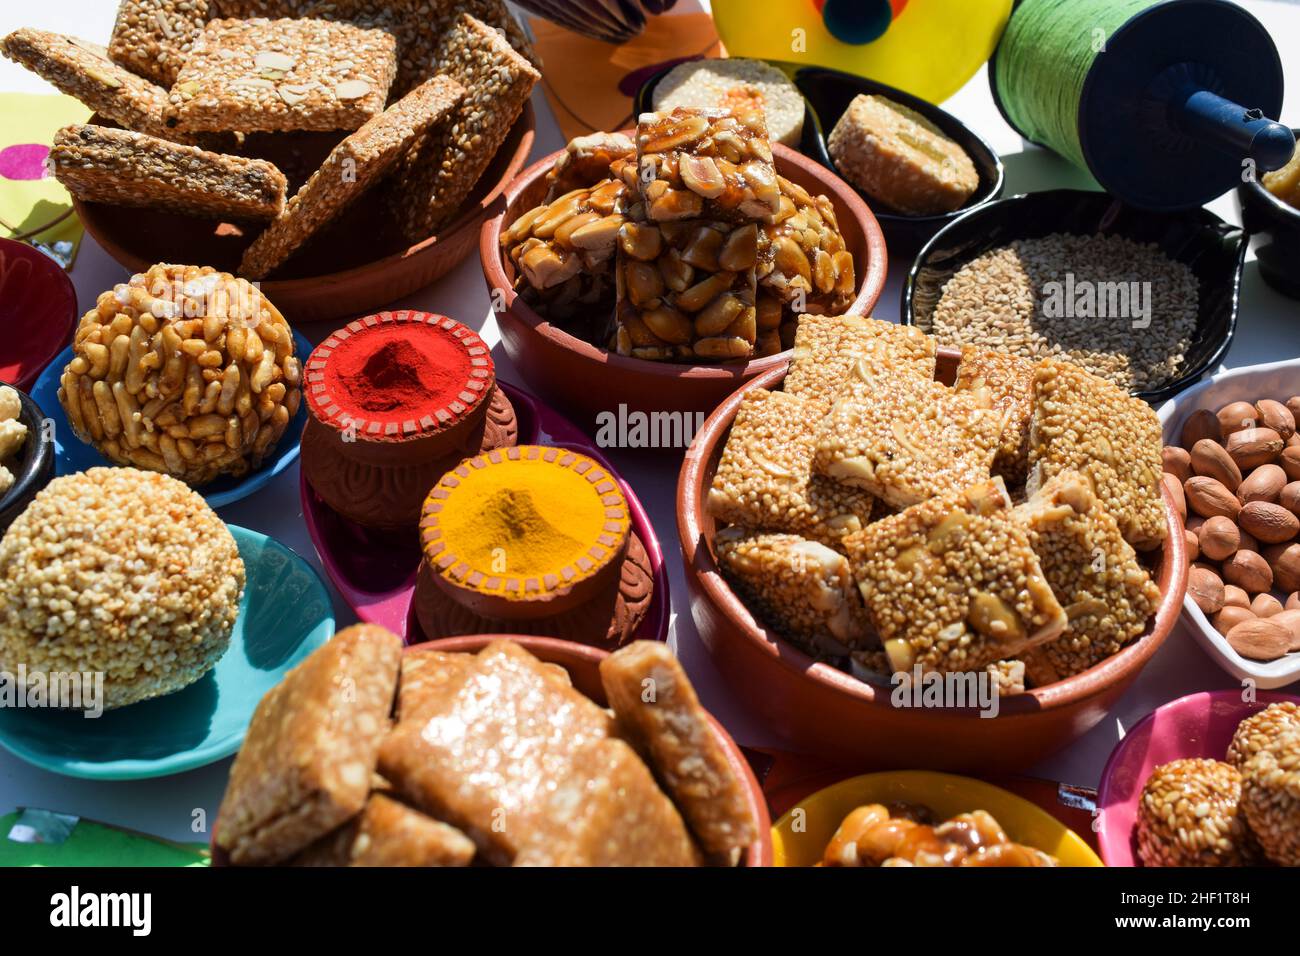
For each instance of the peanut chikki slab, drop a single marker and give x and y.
(84, 71)
(100, 164)
(832, 350)
(437, 173)
(805, 263)
(607, 811)
(904, 438)
(306, 764)
(803, 589)
(706, 164)
(250, 75)
(658, 712)
(484, 752)
(389, 833)
(586, 161)
(952, 583)
(764, 478)
(351, 168)
(1107, 595)
(1008, 380)
(1086, 424)
(152, 38)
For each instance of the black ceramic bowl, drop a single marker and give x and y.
(1278, 224)
(1213, 249)
(827, 94)
(33, 468)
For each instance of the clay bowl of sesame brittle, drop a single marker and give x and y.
(817, 708)
(356, 264)
(585, 379)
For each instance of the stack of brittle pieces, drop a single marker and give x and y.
(683, 246)
(189, 95)
(367, 756)
(884, 522)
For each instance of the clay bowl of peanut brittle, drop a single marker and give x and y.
(817, 708)
(584, 379)
(356, 264)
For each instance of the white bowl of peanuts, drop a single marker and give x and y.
(1232, 453)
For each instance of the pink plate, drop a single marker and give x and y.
(38, 311)
(375, 571)
(1198, 725)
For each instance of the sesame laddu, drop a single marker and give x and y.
(1009, 383)
(1107, 595)
(904, 438)
(1086, 424)
(803, 589)
(832, 350)
(952, 583)
(764, 478)
(1259, 731)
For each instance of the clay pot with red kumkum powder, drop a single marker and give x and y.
(397, 399)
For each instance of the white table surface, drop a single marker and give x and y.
(1268, 330)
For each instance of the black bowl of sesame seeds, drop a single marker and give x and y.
(1145, 299)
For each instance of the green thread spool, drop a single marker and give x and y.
(1144, 94)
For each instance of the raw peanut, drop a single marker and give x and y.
(1234, 596)
(1290, 462)
(1249, 571)
(1284, 559)
(1293, 441)
(1260, 640)
(1175, 489)
(1205, 588)
(1289, 497)
(1248, 543)
(1293, 601)
(1265, 605)
(1276, 416)
(1254, 446)
(1194, 523)
(1290, 619)
(1268, 522)
(1236, 416)
(1192, 544)
(1202, 423)
(1208, 497)
(1263, 484)
(1213, 461)
(1177, 462)
(1229, 617)
(1219, 538)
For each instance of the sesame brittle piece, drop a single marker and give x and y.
(832, 350)
(906, 439)
(101, 164)
(1009, 383)
(152, 38)
(306, 763)
(351, 168)
(802, 588)
(764, 478)
(659, 714)
(952, 584)
(442, 166)
(1107, 595)
(1086, 424)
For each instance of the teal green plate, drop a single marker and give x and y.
(285, 615)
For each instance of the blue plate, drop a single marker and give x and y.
(71, 454)
(285, 615)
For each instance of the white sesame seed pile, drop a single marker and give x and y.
(123, 572)
(999, 301)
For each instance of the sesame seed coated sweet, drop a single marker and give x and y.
(1270, 798)
(1259, 731)
(1189, 814)
(830, 350)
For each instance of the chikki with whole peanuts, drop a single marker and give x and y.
(804, 262)
(305, 766)
(952, 583)
(586, 162)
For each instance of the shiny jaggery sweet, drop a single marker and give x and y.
(426, 676)
(606, 811)
(306, 763)
(673, 731)
(448, 760)
(389, 833)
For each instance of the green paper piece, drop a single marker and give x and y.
(92, 844)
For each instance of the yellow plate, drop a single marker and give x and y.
(800, 837)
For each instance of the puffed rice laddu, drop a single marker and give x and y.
(306, 763)
(832, 350)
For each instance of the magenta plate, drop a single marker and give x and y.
(375, 571)
(38, 311)
(1198, 725)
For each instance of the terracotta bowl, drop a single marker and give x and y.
(583, 664)
(819, 709)
(584, 379)
(356, 264)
